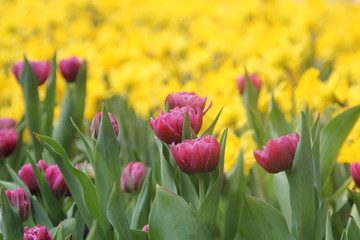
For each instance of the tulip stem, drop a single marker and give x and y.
(4, 174)
(201, 187)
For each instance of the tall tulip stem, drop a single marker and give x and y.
(201, 187)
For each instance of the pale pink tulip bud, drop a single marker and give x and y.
(6, 123)
(19, 200)
(168, 125)
(355, 173)
(69, 68)
(278, 154)
(254, 79)
(186, 99)
(56, 181)
(198, 155)
(132, 177)
(96, 122)
(26, 174)
(145, 228)
(8, 141)
(41, 70)
(36, 233)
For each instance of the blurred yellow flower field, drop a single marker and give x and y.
(306, 53)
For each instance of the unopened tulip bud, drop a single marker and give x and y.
(132, 177)
(19, 200)
(26, 174)
(8, 141)
(56, 181)
(96, 122)
(278, 154)
(254, 79)
(145, 228)
(168, 125)
(69, 68)
(6, 123)
(198, 155)
(36, 233)
(355, 173)
(186, 99)
(41, 70)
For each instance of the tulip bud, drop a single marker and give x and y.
(198, 155)
(168, 125)
(355, 173)
(254, 79)
(19, 200)
(96, 122)
(26, 174)
(132, 177)
(41, 70)
(278, 154)
(145, 228)
(69, 68)
(56, 181)
(186, 99)
(36, 233)
(6, 123)
(8, 141)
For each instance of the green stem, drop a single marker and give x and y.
(4, 174)
(201, 187)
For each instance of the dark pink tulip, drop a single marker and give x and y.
(6, 123)
(56, 181)
(254, 79)
(41, 70)
(145, 228)
(26, 174)
(132, 177)
(96, 122)
(186, 99)
(36, 233)
(168, 125)
(355, 173)
(19, 200)
(8, 141)
(69, 68)
(197, 155)
(278, 154)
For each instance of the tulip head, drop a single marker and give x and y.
(185, 99)
(278, 154)
(198, 155)
(6, 123)
(168, 125)
(69, 68)
(8, 141)
(56, 181)
(132, 177)
(254, 80)
(36, 233)
(19, 200)
(41, 70)
(96, 122)
(145, 228)
(26, 174)
(355, 173)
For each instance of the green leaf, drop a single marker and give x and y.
(302, 190)
(353, 230)
(257, 123)
(282, 192)
(115, 212)
(278, 124)
(187, 131)
(139, 235)
(89, 151)
(211, 128)
(333, 136)
(188, 191)
(260, 220)
(328, 232)
(251, 93)
(11, 225)
(355, 196)
(140, 216)
(172, 218)
(315, 146)
(167, 179)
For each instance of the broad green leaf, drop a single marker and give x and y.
(328, 232)
(59, 232)
(256, 122)
(95, 232)
(139, 235)
(260, 220)
(167, 179)
(89, 151)
(333, 136)
(353, 230)
(187, 131)
(282, 192)
(188, 191)
(278, 124)
(115, 212)
(302, 190)
(355, 196)
(11, 225)
(211, 128)
(172, 218)
(315, 146)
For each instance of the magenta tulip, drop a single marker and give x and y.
(145, 228)
(19, 200)
(197, 155)
(56, 181)
(254, 80)
(41, 70)
(132, 177)
(355, 173)
(36, 233)
(168, 125)
(186, 99)
(8, 141)
(278, 154)
(6, 123)
(69, 68)
(96, 122)
(26, 174)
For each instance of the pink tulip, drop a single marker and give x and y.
(186, 99)
(168, 125)
(96, 122)
(355, 173)
(26, 174)
(278, 154)
(145, 228)
(6, 123)
(197, 155)
(254, 79)
(19, 200)
(69, 68)
(8, 141)
(36, 233)
(41, 70)
(132, 177)
(56, 181)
